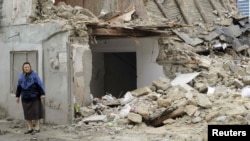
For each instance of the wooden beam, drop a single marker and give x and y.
(171, 112)
(120, 32)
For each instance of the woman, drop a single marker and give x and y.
(31, 90)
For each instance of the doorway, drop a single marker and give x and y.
(17, 58)
(113, 73)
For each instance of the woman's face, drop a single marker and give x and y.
(26, 68)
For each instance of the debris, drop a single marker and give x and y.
(245, 92)
(187, 39)
(95, 118)
(184, 78)
(128, 97)
(125, 111)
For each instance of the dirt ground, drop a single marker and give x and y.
(13, 130)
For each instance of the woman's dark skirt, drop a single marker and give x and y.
(33, 110)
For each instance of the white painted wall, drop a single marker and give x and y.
(147, 69)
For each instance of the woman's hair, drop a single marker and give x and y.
(26, 63)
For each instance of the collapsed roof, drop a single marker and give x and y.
(164, 15)
(154, 18)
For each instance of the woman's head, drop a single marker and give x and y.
(26, 67)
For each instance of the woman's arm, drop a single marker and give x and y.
(18, 93)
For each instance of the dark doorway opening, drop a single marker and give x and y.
(113, 73)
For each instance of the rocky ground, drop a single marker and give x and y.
(191, 126)
(13, 131)
(187, 122)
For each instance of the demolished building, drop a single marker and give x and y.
(76, 50)
(58, 46)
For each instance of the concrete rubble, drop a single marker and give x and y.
(214, 61)
(216, 56)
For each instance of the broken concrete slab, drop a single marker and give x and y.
(212, 35)
(226, 22)
(141, 91)
(95, 118)
(203, 101)
(187, 39)
(191, 109)
(136, 118)
(184, 78)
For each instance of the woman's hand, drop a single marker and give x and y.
(42, 96)
(17, 99)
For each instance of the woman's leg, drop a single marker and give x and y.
(37, 124)
(30, 126)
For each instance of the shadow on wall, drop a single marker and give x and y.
(1, 5)
(3, 113)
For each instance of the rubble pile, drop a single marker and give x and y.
(207, 78)
(74, 18)
(206, 67)
(168, 102)
(221, 55)
(45, 11)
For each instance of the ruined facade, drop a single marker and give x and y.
(86, 53)
(56, 40)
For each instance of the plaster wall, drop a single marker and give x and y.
(57, 101)
(16, 12)
(82, 73)
(148, 70)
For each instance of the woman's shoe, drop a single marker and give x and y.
(29, 131)
(35, 131)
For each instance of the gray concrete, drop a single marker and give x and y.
(50, 43)
(15, 12)
(57, 103)
(82, 72)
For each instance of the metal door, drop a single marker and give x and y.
(17, 58)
